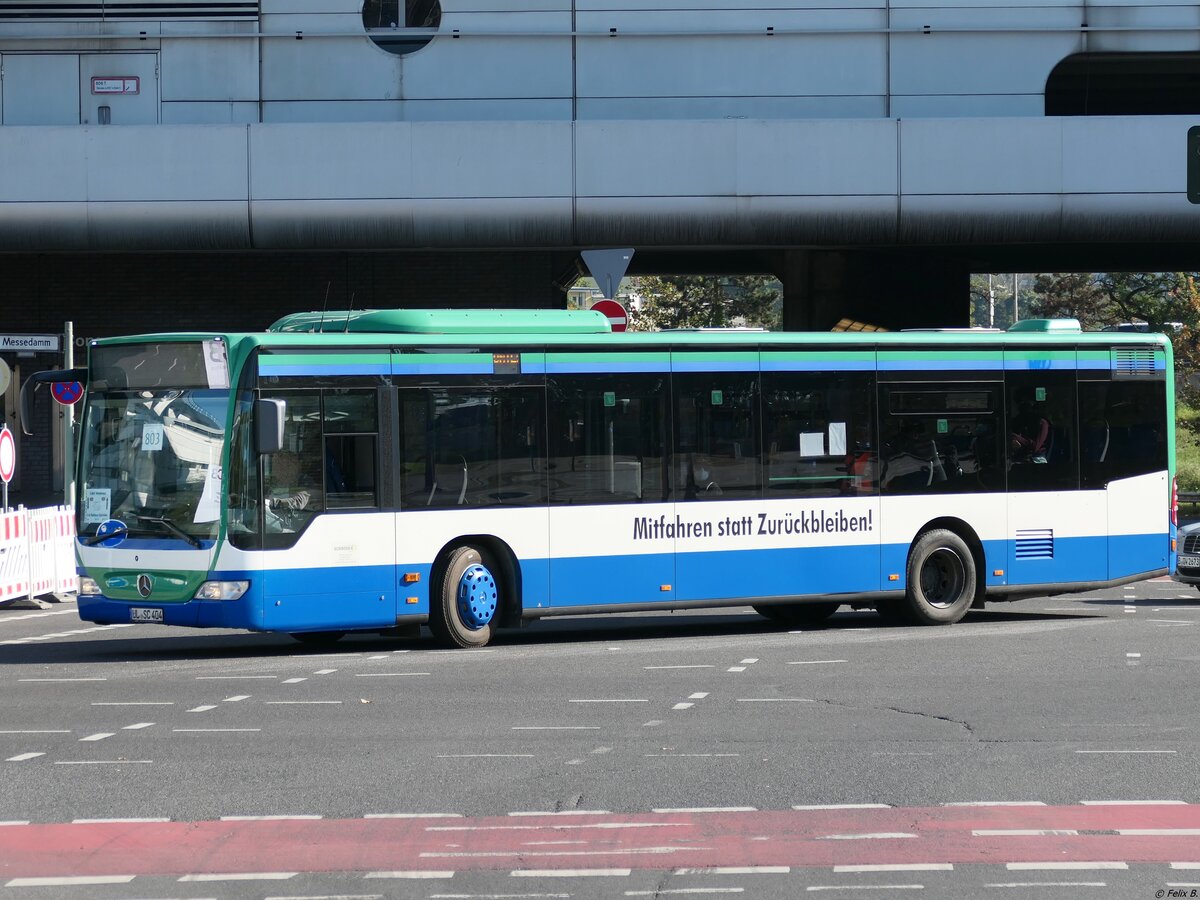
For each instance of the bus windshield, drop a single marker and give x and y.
(151, 459)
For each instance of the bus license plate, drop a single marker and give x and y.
(1189, 562)
(139, 614)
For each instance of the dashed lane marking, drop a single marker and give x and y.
(21, 757)
(204, 708)
(705, 809)
(414, 873)
(240, 876)
(16, 822)
(104, 762)
(209, 730)
(56, 680)
(569, 873)
(896, 867)
(324, 671)
(611, 700)
(117, 821)
(137, 726)
(564, 812)
(736, 669)
(683, 706)
(1185, 865)
(697, 696)
(98, 737)
(236, 698)
(413, 815)
(1133, 803)
(1023, 832)
(236, 677)
(295, 680)
(816, 662)
(1072, 865)
(70, 881)
(687, 755)
(680, 667)
(876, 836)
(277, 818)
(134, 703)
(736, 870)
(39, 731)
(704, 890)
(844, 806)
(865, 887)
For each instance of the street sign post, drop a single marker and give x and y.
(618, 318)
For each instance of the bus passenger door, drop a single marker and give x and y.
(1057, 533)
(330, 557)
(612, 522)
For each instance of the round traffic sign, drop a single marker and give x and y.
(8, 455)
(614, 312)
(66, 392)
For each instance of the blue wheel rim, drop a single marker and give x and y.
(477, 595)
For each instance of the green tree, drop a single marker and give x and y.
(706, 301)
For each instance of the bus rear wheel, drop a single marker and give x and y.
(941, 579)
(798, 614)
(467, 599)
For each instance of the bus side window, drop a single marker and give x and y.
(292, 478)
(351, 426)
(1120, 434)
(606, 438)
(717, 436)
(1041, 431)
(817, 431)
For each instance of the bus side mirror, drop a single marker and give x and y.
(269, 416)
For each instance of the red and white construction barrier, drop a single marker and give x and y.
(37, 552)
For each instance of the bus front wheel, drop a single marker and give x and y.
(467, 599)
(941, 578)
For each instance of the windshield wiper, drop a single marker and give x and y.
(97, 538)
(171, 527)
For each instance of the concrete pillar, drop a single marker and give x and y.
(893, 289)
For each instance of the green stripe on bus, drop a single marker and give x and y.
(659, 357)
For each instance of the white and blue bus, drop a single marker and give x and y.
(370, 471)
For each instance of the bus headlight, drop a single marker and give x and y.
(88, 587)
(222, 590)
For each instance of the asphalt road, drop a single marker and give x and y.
(1044, 748)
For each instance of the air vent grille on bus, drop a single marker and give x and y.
(97, 11)
(1035, 543)
(1133, 362)
(1191, 544)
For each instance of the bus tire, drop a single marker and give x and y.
(318, 638)
(941, 579)
(464, 609)
(798, 614)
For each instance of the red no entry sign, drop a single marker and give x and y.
(8, 455)
(614, 312)
(66, 392)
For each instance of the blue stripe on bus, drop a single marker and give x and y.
(346, 598)
(938, 365)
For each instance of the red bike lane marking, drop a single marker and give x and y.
(809, 838)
